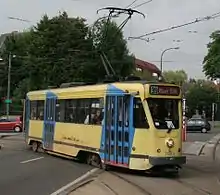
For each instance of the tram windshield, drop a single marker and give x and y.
(164, 112)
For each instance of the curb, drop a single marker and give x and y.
(9, 135)
(210, 147)
(83, 180)
(207, 148)
(194, 148)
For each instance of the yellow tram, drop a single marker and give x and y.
(135, 125)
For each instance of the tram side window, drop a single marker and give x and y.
(60, 110)
(96, 115)
(33, 105)
(70, 111)
(83, 107)
(40, 110)
(139, 118)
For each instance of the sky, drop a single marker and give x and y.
(159, 14)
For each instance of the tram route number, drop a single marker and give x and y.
(164, 90)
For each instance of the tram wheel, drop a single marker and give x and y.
(35, 146)
(105, 166)
(89, 159)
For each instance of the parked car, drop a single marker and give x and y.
(13, 123)
(198, 124)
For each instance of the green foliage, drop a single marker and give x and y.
(211, 61)
(60, 50)
(177, 77)
(108, 39)
(200, 95)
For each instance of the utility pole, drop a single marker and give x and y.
(9, 86)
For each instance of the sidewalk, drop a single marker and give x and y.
(207, 149)
(199, 176)
(106, 184)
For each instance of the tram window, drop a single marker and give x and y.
(83, 111)
(123, 108)
(70, 111)
(139, 118)
(164, 112)
(40, 110)
(33, 105)
(60, 110)
(83, 106)
(96, 114)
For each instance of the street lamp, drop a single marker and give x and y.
(161, 58)
(10, 56)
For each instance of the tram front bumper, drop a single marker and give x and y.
(156, 161)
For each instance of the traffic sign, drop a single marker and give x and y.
(8, 101)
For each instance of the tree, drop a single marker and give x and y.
(107, 38)
(200, 96)
(178, 77)
(16, 45)
(64, 49)
(59, 50)
(211, 62)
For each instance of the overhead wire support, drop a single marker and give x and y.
(114, 12)
(197, 20)
(119, 11)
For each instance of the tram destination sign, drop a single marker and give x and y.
(164, 90)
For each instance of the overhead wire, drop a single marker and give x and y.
(131, 4)
(197, 20)
(141, 4)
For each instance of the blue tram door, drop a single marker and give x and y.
(118, 129)
(49, 123)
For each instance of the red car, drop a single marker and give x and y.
(13, 123)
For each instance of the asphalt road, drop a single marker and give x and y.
(24, 172)
(198, 136)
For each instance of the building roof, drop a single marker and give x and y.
(147, 66)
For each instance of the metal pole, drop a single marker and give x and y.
(161, 57)
(9, 86)
(161, 62)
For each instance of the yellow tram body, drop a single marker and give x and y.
(133, 141)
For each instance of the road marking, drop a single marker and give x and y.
(75, 181)
(31, 160)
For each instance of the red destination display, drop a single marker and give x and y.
(164, 90)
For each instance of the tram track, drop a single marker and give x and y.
(193, 187)
(144, 191)
(169, 183)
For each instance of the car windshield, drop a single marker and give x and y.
(194, 121)
(164, 112)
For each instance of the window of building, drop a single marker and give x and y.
(139, 118)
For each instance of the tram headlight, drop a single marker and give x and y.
(170, 143)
